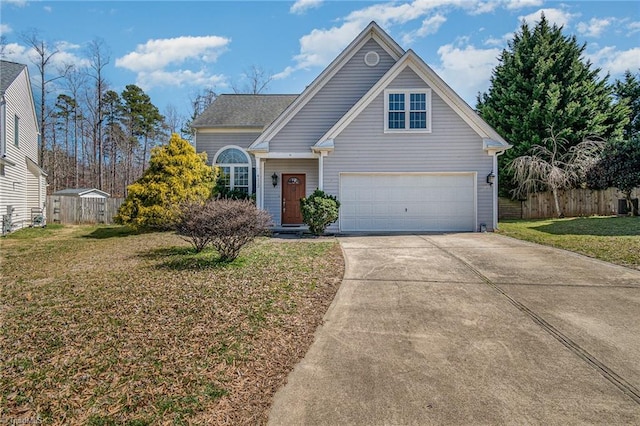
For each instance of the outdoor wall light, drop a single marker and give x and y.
(491, 178)
(274, 179)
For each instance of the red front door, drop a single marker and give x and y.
(293, 189)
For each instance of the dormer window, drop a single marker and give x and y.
(407, 110)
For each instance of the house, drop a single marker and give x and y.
(82, 193)
(22, 181)
(378, 128)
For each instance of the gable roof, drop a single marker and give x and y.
(372, 31)
(79, 192)
(239, 110)
(9, 71)
(491, 139)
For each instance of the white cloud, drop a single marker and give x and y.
(5, 29)
(554, 16)
(321, 46)
(499, 41)
(614, 61)
(520, 4)
(48, 9)
(485, 7)
(65, 56)
(162, 78)
(159, 53)
(467, 69)
(19, 3)
(301, 6)
(633, 27)
(430, 25)
(595, 27)
(156, 62)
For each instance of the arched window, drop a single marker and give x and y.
(235, 165)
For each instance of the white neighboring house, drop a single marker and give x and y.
(82, 193)
(23, 183)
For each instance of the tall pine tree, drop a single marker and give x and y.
(542, 83)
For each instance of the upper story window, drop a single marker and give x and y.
(235, 166)
(407, 110)
(16, 131)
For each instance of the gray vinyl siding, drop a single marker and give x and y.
(332, 101)
(452, 146)
(273, 196)
(211, 143)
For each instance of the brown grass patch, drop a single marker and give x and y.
(102, 326)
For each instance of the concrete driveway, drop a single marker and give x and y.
(470, 329)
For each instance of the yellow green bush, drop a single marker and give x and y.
(176, 174)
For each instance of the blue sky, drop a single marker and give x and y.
(174, 49)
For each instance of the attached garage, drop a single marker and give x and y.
(408, 202)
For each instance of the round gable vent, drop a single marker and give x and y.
(371, 58)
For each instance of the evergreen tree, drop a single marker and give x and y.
(176, 174)
(541, 85)
(619, 167)
(628, 91)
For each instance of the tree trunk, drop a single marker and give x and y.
(554, 191)
(630, 208)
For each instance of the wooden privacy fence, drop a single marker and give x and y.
(574, 202)
(73, 210)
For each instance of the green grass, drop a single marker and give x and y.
(609, 238)
(36, 232)
(102, 325)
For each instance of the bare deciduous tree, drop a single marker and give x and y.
(42, 58)
(99, 57)
(550, 169)
(256, 79)
(75, 81)
(173, 120)
(4, 50)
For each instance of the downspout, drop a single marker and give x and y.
(321, 170)
(495, 189)
(3, 127)
(258, 182)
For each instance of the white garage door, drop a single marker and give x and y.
(407, 202)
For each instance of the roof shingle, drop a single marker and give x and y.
(8, 72)
(238, 110)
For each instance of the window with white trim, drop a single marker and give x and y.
(407, 110)
(235, 166)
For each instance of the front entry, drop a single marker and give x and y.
(293, 189)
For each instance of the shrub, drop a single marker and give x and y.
(227, 225)
(192, 224)
(319, 210)
(176, 174)
(223, 191)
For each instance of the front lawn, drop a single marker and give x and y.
(610, 238)
(103, 326)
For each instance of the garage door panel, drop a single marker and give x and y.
(414, 202)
